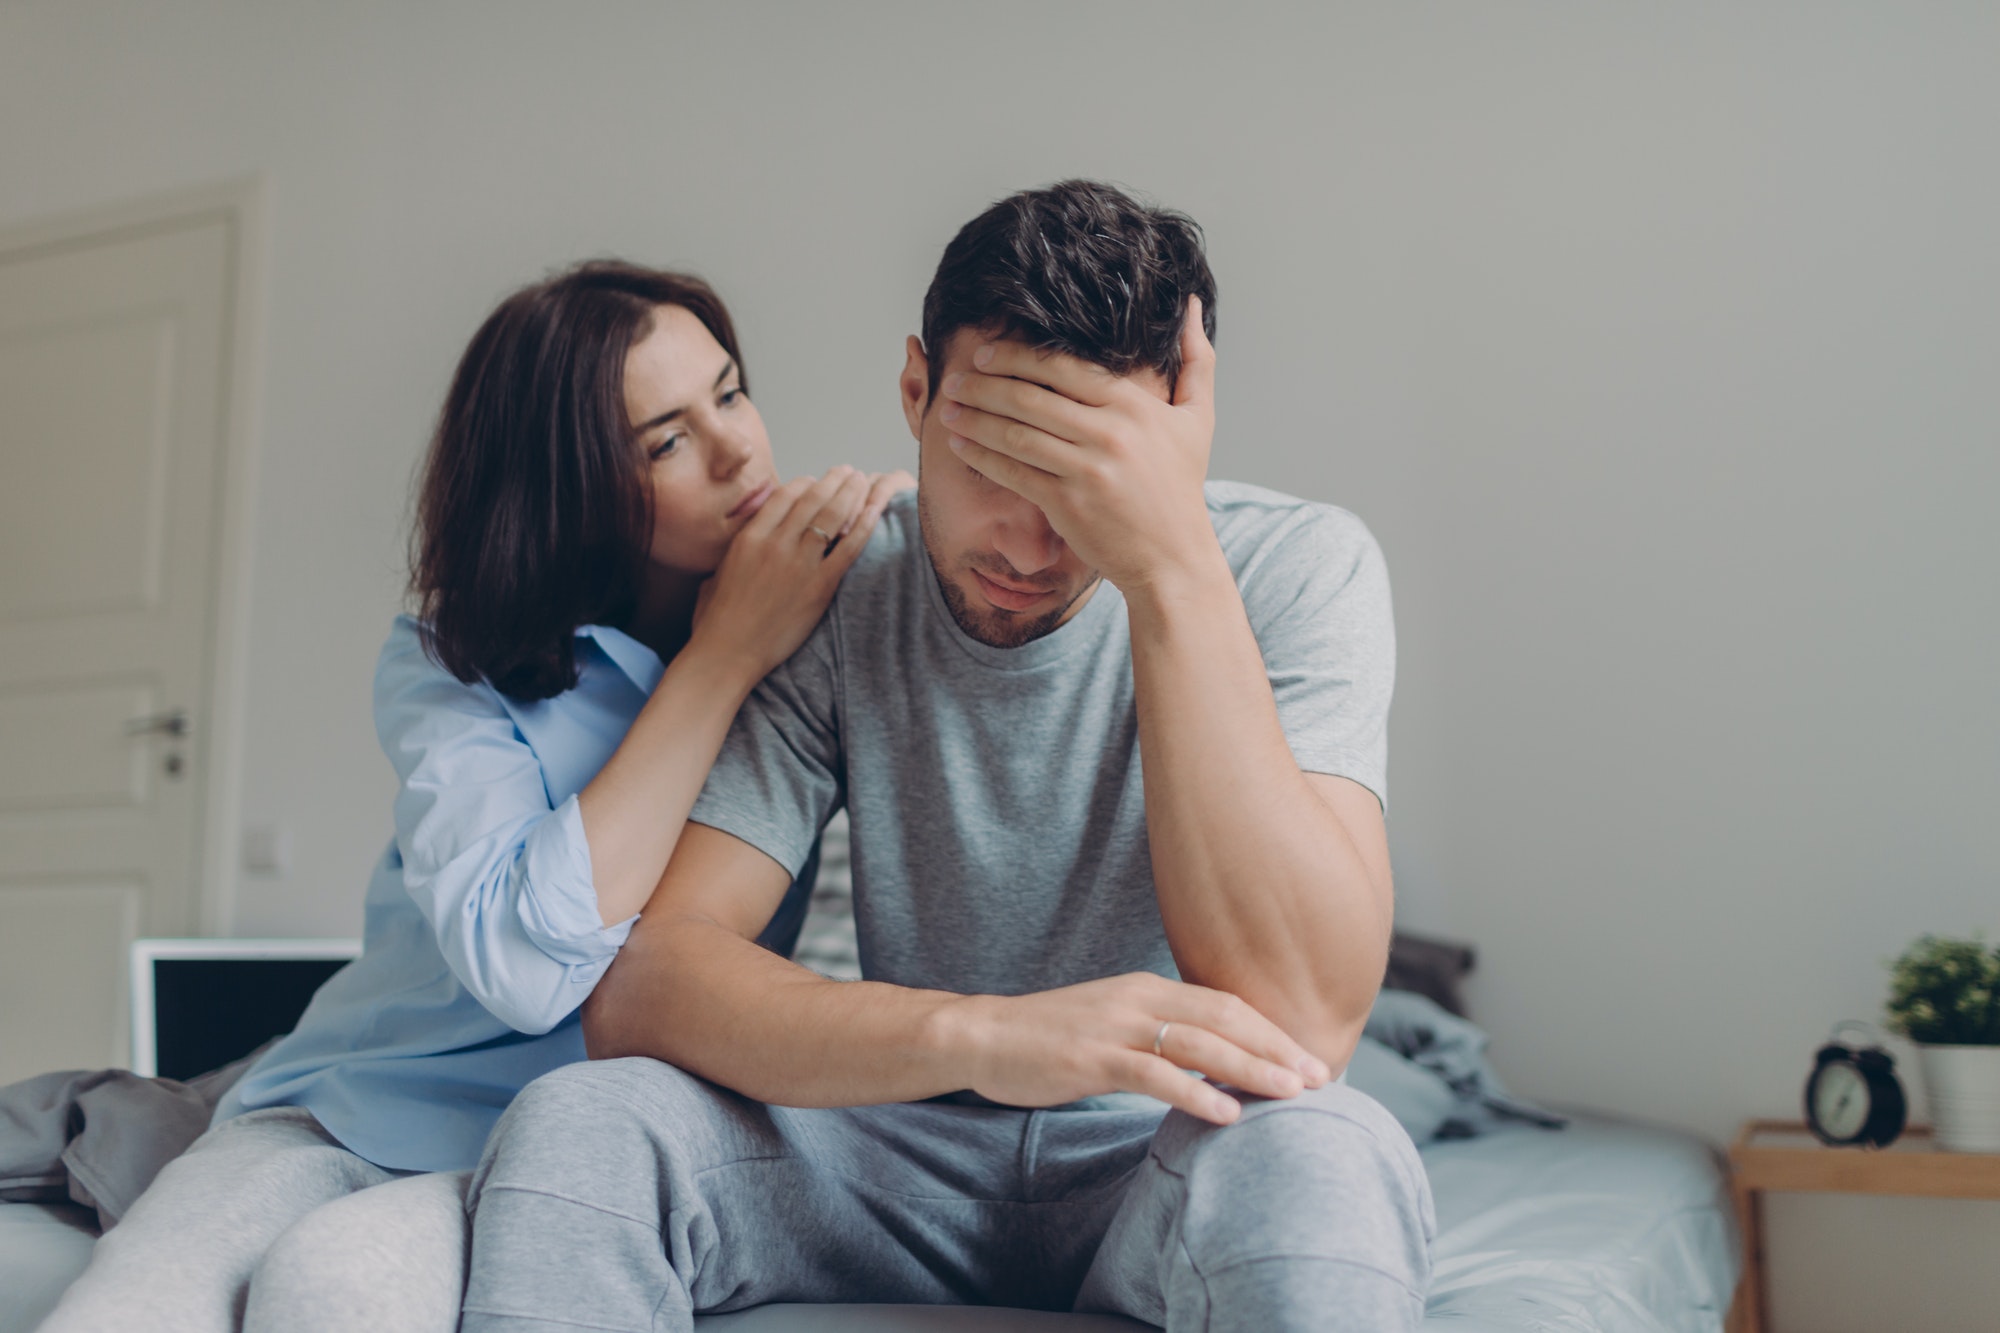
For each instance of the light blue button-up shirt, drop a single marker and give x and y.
(482, 934)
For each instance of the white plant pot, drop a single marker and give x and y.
(1964, 1087)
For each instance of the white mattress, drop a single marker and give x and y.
(1599, 1228)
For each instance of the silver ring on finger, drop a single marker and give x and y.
(1159, 1037)
(821, 533)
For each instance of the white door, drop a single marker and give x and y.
(113, 389)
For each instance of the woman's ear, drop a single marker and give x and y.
(915, 386)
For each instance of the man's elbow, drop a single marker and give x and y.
(605, 1035)
(1325, 1018)
(1329, 1031)
(656, 972)
(1335, 1040)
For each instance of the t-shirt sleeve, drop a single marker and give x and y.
(1318, 601)
(780, 775)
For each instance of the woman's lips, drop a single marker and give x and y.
(1006, 598)
(752, 502)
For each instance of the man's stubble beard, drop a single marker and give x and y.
(993, 627)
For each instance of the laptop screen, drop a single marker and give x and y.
(213, 1001)
(209, 1011)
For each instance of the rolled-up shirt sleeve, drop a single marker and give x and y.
(500, 872)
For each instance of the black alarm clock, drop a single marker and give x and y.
(1853, 1098)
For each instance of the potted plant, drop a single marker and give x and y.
(1944, 995)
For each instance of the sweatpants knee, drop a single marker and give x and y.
(579, 1176)
(301, 1272)
(606, 1094)
(607, 1088)
(588, 1120)
(391, 1257)
(1328, 1177)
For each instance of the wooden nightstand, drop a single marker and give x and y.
(1783, 1156)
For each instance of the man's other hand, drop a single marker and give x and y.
(1098, 1037)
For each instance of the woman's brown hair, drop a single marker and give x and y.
(533, 515)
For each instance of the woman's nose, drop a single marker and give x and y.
(732, 450)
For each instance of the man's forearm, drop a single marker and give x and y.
(698, 995)
(1263, 891)
(701, 997)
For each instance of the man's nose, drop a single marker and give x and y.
(1026, 541)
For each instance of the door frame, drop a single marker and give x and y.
(239, 204)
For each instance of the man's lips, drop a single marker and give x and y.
(752, 502)
(1009, 598)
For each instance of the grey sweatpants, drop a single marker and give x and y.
(629, 1195)
(267, 1223)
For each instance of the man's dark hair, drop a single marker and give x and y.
(1078, 267)
(534, 514)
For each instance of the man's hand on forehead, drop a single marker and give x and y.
(1117, 469)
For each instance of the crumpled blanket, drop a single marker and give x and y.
(1429, 1068)
(97, 1137)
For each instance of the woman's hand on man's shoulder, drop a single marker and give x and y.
(783, 568)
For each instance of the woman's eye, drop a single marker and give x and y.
(665, 447)
(731, 397)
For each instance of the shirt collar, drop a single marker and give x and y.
(641, 665)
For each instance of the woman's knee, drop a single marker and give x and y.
(391, 1257)
(246, 1180)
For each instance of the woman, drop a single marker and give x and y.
(606, 565)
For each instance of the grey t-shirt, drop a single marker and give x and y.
(994, 797)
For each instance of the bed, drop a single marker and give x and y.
(1604, 1227)
(1601, 1227)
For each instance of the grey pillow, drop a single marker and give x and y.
(1420, 1100)
(1433, 968)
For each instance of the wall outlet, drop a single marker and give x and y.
(267, 850)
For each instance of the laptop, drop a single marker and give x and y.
(198, 1004)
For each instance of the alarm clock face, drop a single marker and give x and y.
(1840, 1100)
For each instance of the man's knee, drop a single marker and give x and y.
(582, 1119)
(1328, 1173)
(604, 1093)
(1331, 1136)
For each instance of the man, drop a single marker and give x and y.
(1112, 745)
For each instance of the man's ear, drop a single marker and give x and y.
(915, 386)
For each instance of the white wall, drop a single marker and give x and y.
(1656, 344)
